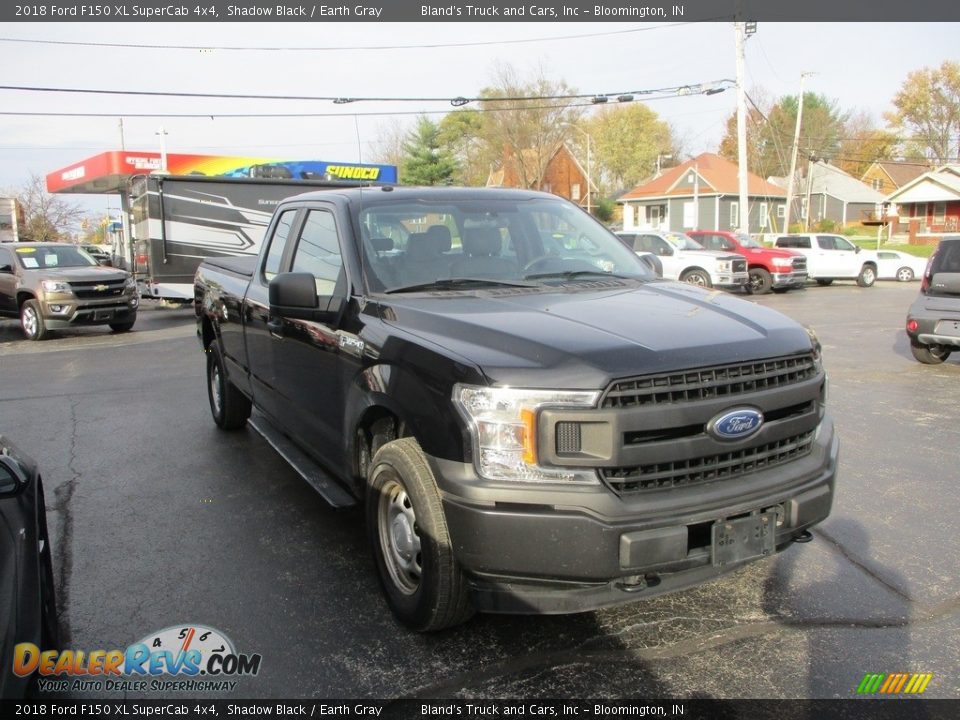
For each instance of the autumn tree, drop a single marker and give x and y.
(426, 162)
(927, 107)
(864, 143)
(526, 120)
(387, 149)
(626, 141)
(47, 218)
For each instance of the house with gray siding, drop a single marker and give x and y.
(829, 193)
(703, 194)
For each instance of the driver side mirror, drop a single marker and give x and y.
(11, 479)
(857, 249)
(6, 269)
(294, 295)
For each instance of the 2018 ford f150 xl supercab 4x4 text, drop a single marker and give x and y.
(530, 430)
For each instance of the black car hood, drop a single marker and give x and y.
(583, 337)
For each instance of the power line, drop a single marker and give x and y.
(708, 87)
(342, 48)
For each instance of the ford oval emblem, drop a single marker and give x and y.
(735, 424)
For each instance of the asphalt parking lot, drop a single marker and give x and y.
(159, 519)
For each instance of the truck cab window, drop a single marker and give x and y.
(271, 265)
(318, 251)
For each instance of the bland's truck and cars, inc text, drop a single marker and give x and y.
(531, 428)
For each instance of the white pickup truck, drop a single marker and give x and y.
(683, 258)
(832, 257)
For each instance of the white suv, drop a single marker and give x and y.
(683, 258)
(832, 257)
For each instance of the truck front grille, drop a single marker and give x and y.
(800, 264)
(740, 266)
(721, 466)
(707, 383)
(96, 289)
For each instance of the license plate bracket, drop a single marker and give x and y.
(103, 315)
(742, 539)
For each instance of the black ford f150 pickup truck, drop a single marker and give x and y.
(533, 426)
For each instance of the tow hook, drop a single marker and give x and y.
(803, 537)
(636, 583)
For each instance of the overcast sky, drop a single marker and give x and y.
(859, 64)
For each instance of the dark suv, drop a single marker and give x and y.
(933, 322)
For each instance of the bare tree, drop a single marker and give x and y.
(928, 106)
(47, 218)
(388, 148)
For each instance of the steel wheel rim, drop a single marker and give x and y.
(755, 283)
(905, 275)
(399, 536)
(697, 279)
(868, 276)
(29, 321)
(215, 397)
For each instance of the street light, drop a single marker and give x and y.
(589, 182)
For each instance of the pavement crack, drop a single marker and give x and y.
(863, 567)
(64, 494)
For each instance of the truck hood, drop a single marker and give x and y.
(79, 274)
(710, 254)
(584, 337)
(769, 252)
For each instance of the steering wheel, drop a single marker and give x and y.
(544, 263)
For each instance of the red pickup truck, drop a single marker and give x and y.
(769, 268)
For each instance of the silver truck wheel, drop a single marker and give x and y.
(697, 277)
(867, 276)
(904, 274)
(419, 573)
(31, 321)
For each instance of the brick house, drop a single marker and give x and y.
(562, 175)
(929, 205)
(703, 194)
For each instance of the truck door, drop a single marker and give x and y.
(259, 335)
(663, 250)
(839, 256)
(310, 357)
(8, 282)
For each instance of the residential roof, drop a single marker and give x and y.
(901, 172)
(826, 179)
(935, 185)
(717, 176)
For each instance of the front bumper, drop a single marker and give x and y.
(66, 311)
(730, 280)
(789, 279)
(557, 549)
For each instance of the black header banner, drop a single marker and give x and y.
(640, 11)
(481, 709)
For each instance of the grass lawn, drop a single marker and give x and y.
(868, 243)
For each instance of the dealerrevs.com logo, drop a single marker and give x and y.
(188, 658)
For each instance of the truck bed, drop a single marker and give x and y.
(243, 266)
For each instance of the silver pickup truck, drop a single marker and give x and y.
(51, 286)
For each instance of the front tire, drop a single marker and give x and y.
(697, 277)
(929, 354)
(905, 274)
(31, 321)
(230, 407)
(122, 327)
(760, 282)
(421, 578)
(823, 282)
(867, 276)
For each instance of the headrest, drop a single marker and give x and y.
(440, 234)
(419, 245)
(381, 244)
(481, 241)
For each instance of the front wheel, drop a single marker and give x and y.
(929, 354)
(697, 277)
(760, 282)
(905, 274)
(122, 327)
(867, 276)
(230, 407)
(419, 573)
(31, 321)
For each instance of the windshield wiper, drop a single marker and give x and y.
(457, 283)
(570, 274)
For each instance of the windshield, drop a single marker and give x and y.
(465, 244)
(747, 241)
(47, 258)
(682, 242)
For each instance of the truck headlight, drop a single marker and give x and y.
(57, 286)
(783, 262)
(724, 266)
(130, 284)
(503, 428)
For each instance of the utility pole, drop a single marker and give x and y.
(744, 219)
(811, 160)
(122, 144)
(793, 157)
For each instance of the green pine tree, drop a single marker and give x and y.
(426, 162)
